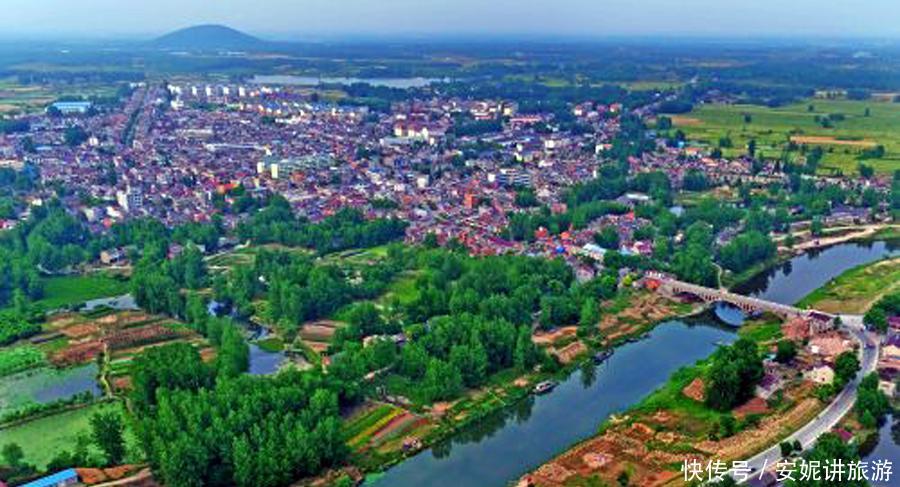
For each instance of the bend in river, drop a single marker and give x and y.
(503, 447)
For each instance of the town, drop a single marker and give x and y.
(226, 260)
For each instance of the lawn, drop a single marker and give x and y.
(857, 289)
(773, 127)
(71, 290)
(43, 438)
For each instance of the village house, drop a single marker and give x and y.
(820, 374)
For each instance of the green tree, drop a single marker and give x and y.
(785, 351)
(107, 431)
(846, 366)
(13, 455)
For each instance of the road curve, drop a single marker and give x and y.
(839, 407)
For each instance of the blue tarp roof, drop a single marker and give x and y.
(52, 480)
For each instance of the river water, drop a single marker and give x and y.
(888, 448)
(502, 448)
(793, 280)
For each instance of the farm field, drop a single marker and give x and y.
(773, 128)
(42, 438)
(16, 359)
(19, 98)
(71, 290)
(857, 289)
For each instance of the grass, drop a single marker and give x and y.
(271, 344)
(857, 289)
(670, 398)
(761, 331)
(71, 290)
(43, 438)
(17, 359)
(772, 128)
(403, 289)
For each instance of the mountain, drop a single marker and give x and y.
(207, 37)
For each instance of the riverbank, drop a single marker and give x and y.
(645, 444)
(856, 290)
(649, 441)
(507, 391)
(870, 234)
(536, 427)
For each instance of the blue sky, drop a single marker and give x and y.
(339, 18)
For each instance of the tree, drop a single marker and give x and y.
(107, 432)
(786, 448)
(876, 319)
(608, 238)
(233, 355)
(74, 136)
(590, 313)
(846, 366)
(830, 448)
(442, 380)
(785, 352)
(734, 372)
(817, 227)
(871, 404)
(13, 454)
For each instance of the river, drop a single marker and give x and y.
(792, 281)
(887, 448)
(502, 448)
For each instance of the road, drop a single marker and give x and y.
(840, 406)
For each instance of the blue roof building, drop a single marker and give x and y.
(69, 107)
(59, 479)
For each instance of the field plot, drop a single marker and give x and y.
(383, 427)
(317, 335)
(773, 128)
(72, 290)
(42, 438)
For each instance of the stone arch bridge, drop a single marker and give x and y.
(673, 287)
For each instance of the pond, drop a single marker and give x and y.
(263, 362)
(119, 303)
(47, 385)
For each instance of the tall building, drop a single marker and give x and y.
(131, 199)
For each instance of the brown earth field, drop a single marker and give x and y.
(817, 139)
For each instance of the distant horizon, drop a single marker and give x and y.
(451, 37)
(304, 20)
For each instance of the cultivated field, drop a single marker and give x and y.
(43, 438)
(773, 128)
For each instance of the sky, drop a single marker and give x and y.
(308, 19)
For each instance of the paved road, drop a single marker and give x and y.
(839, 407)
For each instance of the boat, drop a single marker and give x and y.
(601, 357)
(544, 387)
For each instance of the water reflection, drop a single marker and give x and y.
(888, 446)
(793, 280)
(506, 444)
